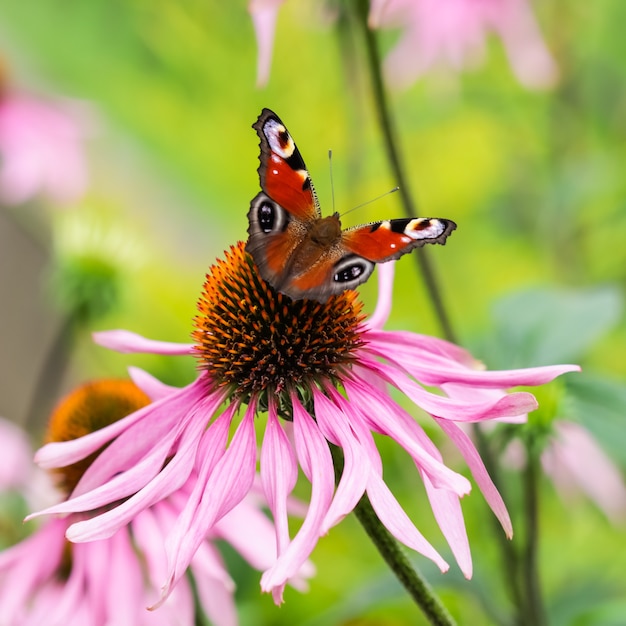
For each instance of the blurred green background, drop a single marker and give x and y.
(535, 273)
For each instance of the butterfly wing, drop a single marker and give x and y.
(378, 242)
(281, 214)
(390, 239)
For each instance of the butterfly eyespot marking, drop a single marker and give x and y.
(266, 216)
(352, 271)
(270, 217)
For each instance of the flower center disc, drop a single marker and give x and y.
(258, 341)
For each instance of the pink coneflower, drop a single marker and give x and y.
(264, 14)
(450, 33)
(114, 580)
(320, 371)
(576, 464)
(16, 455)
(41, 150)
(454, 33)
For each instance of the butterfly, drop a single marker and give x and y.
(299, 252)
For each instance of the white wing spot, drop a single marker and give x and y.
(273, 130)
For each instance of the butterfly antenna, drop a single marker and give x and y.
(382, 195)
(332, 184)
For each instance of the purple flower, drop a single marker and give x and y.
(114, 580)
(454, 33)
(324, 370)
(41, 150)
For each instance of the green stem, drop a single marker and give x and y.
(419, 589)
(530, 565)
(393, 154)
(50, 375)
(509, 556)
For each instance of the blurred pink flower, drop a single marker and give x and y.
(454, 32)
(115, 580)
(264, 14)
(41, 150)
(437, 32)
(291, 358)
(16, 454)
(576, 463)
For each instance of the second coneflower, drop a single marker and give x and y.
(113, 580)
(320, 373)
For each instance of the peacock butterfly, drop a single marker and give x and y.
(299, 252)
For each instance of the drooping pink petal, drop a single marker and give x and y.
(129, 342)
(150, 421)
(258, 549)
(392, 515)
(172, 477)
(74, 588)
(315, 459)
(386, 417)
(472, 395)
(264, 14)
(436, 364)
(108, 480)
(449, 408)
(479, 472)
(180, 606)
(150, 385)
(24, 579)
(387, 508)
(447, 511)
(402, 341)
(437, 369)
(228, 483)
(385, 292)
(529, 56)
(207, 561)
(125, 589)
(279, 473)
(354, 476)
(218, 602)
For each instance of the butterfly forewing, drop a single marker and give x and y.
(282, 172)
(390, 239)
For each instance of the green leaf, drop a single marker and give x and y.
(545, 326)
(599, 404)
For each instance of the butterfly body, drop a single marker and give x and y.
(299, 252)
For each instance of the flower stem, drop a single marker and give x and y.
(508, 554)
(50, 375)
(393, 155)
(391, 551)
(530, 569)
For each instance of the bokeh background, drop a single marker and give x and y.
(163, 95)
